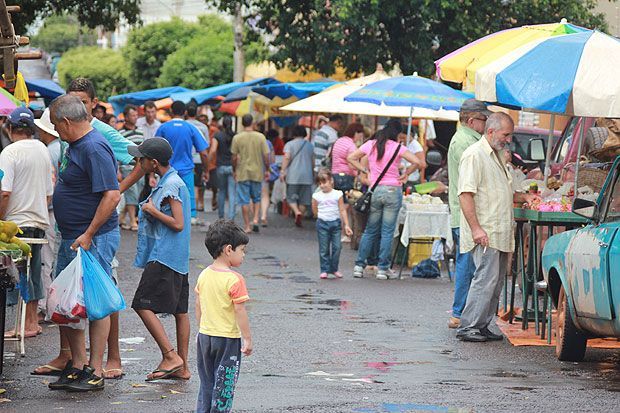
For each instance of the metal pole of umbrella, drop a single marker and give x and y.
(549, 148)
(583, 122)
(409, 125)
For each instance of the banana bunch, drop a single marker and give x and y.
(9, 240)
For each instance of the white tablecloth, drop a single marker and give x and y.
(421, 224)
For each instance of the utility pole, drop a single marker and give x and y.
(238, 55)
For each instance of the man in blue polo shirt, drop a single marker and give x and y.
(182, 136)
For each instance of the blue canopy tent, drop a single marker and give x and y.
(300, 90)
(138, 98)
(48, 89)
(203, 95)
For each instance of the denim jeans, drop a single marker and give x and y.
(36, 289)
(329, 244)
(384, 209)
(188, 178)
(226, 186)
(465, 269)
(104, 247)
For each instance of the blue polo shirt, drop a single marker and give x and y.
(182, 136)
(89, 171)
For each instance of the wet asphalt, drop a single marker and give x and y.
(349, 345)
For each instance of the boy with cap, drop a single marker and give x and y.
(163, 252)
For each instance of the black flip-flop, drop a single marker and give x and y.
(166, 375)
(255, 228)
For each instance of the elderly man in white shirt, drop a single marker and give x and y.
(486, 199)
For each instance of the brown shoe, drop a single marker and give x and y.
(454, 322)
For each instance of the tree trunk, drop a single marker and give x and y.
(238, 55)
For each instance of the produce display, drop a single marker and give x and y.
(9, 240)
(556, 197)
(425, 202)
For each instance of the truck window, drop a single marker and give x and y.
(613, 210)
(563, 146)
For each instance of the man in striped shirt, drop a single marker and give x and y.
(132, 195)
(324, 138)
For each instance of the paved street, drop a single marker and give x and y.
(332, 346)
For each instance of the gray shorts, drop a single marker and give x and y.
(299, 194)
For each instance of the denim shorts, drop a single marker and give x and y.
(248, 191)
(103, 247)
(343, 182)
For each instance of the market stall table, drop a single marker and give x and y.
(422, 221)
(531, 273)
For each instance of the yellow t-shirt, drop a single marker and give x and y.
(217, 291)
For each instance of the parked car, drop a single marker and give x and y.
(582, 271)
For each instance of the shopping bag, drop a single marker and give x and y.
(65, 297)
(101, 296)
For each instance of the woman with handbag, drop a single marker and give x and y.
(385, 196)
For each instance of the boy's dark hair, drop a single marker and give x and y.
(222, 233)
(178, 108)
(81, 84)
(247, 120)
(192, 109)
(149, 104)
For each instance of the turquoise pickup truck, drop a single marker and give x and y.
(582, 271)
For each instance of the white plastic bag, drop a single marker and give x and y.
(65, 298)
(278, 193)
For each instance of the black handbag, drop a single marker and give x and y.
(362, 205)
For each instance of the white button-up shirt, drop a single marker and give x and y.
(482, 173)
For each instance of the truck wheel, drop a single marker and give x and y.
(570, 343)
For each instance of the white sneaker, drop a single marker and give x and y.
(345, 239)
(381, 275)
(386, 274)
(358, 272)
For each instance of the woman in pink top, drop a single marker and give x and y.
(343, 173)
(387, 197)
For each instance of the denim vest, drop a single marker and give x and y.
(157, 242)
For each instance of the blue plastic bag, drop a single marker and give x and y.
(101, 296)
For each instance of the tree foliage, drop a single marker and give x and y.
(174, 53)
(91, 13)
(148, 48)
(60, 33)
(411, 34)
(105, 67)
(206, 61)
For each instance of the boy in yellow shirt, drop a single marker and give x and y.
(220, 309)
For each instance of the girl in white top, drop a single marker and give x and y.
(328, 207)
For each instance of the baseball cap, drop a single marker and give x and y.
(21, 116)
(473, 105)
(153, 148)
(45, 124)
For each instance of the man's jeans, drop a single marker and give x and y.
(329, 244)
(226, 186)
(188, 178)
(384, 209)
(465, 269)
